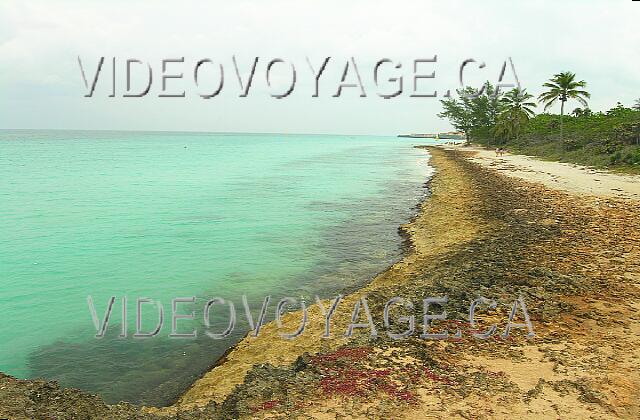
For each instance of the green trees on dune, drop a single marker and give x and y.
(474, 111)
(493, 118)
(459, 113)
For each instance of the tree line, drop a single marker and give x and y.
(492, 118)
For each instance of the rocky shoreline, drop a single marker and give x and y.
(574, 260)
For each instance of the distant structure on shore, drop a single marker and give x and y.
(451, 135)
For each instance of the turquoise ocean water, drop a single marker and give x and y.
(164, 215)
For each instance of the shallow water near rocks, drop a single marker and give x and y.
(166, 215)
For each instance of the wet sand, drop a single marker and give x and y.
(574, 259)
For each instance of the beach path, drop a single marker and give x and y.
(559, 175)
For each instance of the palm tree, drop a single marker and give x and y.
(580, 112)
(563, 87)
(517, 110)
(516, 99)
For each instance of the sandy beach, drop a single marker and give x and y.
(564, 239)
(567, 177)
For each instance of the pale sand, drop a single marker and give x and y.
(557, 175)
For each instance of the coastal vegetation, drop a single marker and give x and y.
(604, 139)
(475, 113)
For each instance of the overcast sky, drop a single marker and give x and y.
(42, 87)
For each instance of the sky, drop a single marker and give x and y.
(42, 87)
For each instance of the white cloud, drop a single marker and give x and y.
(40, 40)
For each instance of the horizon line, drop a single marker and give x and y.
(193, 131)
